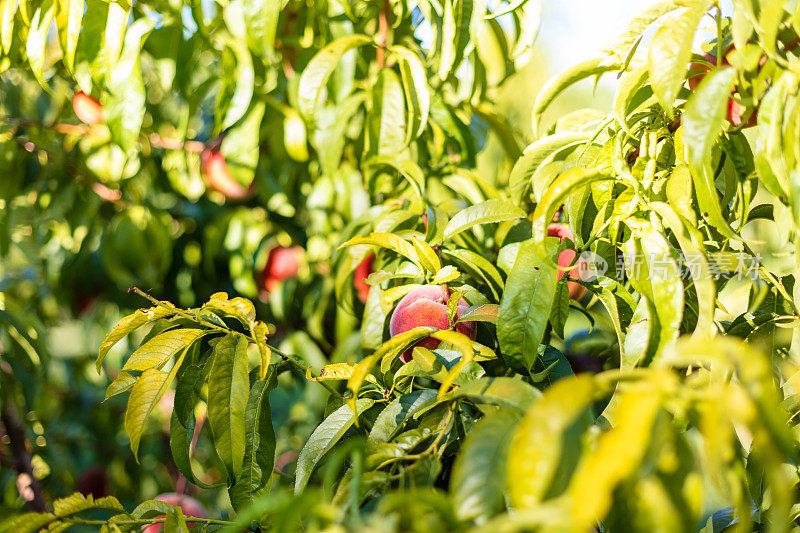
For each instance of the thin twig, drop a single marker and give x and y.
(383, 32)
(22, 457)
(82, 129)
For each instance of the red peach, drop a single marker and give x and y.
(282, 263)
(188, 505)
(576, 290)
(695, 80)
(93, 481)
(427, 306)
(87, 109)
(219, 178)
(360, 274)
(735, 109)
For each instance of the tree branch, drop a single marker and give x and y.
(82, 129)
(22, 458)
(383, 32)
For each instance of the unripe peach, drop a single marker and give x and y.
(282, 263)
(360, 275)
(88, 109)
(427, 306)
(219, 178)
(576, 290)
(188, 505)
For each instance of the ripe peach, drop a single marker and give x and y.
(188, 505)
(735, 109)
(88, 109)
(282, 263)
(362, 271)
(93, 481)
(219, 178)
(427, 306)
(576, 290)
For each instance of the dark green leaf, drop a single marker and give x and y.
(228, 391)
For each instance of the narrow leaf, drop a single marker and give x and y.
(228, 391)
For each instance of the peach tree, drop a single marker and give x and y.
(605, 337)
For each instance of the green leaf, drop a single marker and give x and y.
(769, 157)
(560, 310)
(487, 212)
(477, 483)
(446, 275)
(702, 125)
(125, 105)
(556, 194)
(259, 456)
(8, 10)
(240, 308)
(659, 267)
(387, 240)
(670, 52)
(622, 44)
(386, 117)
(525, 306)
(123, 382)
(295, 137)
(261, 23)
(127, 325)
(639, 344)
(37, 39)
(241, 145)
(618, 303)
(627, 93)
(157, 351)
(115, 34)
(396, 413)
(182, 422)
(479, 266)
(415, 88)
(69, 15)
(534, 155)
(427, 255)
(244, 85)
(529, 21)
(228, 391)
(77, 503)
(151, 509)
(481, 313)
(546, 444)
(175, 522)
(555, 86)
(90, 41)
(593, 485)
(691, 242)
(507, 392)
(554, 363)
(407, 168)
(324, 437)
(455, 35)
(316, 74)
(26, 523)
(144, 396)
(331, 139)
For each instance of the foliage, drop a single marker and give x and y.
(352, 129)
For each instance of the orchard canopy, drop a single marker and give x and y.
(353, 265)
